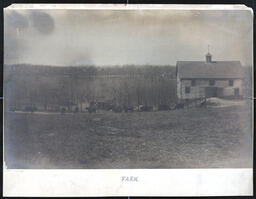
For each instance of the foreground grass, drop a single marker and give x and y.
(194, 138)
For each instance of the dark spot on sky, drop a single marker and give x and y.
(42, 22)
(16, 20)
(14, 23)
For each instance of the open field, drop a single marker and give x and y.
(192, 138)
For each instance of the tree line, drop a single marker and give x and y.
(51, 88)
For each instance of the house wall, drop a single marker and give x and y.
(198, 91)
(195, 91)
(178, 88)
(230, 91)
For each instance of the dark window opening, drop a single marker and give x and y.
(187, 89)
(212, 82)
(236, 92)
(193, 82)
(231, 82)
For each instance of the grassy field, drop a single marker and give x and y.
(193, 138)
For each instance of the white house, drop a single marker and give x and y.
(203, 79)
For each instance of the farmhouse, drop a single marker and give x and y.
(203, 79)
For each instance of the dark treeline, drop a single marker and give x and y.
(51, 88)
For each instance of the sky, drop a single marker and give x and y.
(121, 37)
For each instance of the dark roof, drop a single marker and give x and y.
(201, 69)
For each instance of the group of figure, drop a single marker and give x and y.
(124, 108)
(95, 106)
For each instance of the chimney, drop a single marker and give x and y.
(208, 56)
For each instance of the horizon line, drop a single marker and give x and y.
(94, 65)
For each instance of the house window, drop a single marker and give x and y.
(212, 82)
(230, 82)
(193, 82)
(187, 89)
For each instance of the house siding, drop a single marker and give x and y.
(230, 90)
(198, 91)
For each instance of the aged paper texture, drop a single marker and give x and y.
(128, 100)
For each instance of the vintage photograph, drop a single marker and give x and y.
(127, 89)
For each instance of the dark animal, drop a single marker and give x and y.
(76, 109)
(117, 109)
(145, 108)
(109, 107)
(172, 106)
(56, 108)
(63, 110)
(104, 106)
(91, 109)
(179, 106)
(203, 104)
(128, 109)
(164, 107)
(30, 109)
(100, 105)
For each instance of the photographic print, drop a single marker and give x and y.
(127, 88)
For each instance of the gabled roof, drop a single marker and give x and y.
(201, 69)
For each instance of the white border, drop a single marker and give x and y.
(151, 182)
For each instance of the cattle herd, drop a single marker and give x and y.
(93, 107)
(102, 106)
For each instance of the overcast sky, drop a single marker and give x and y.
(115, 37)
